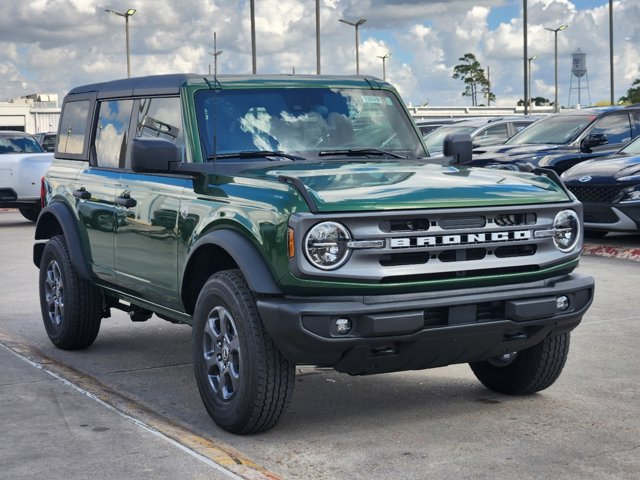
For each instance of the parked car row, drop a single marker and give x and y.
(483, 131)
(591, 148)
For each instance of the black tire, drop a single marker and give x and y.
(531, 370)
(244, 381)
(71, 306)
(30, 213)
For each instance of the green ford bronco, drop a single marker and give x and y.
(300, 220)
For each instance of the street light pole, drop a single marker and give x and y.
(529, 80)
(253, 38)
(555, 34)
(384, 58)
(318, 37)
(356, 25)
(126, 16)
(611, 48)
(525, 56)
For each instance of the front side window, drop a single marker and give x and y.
(496, 132)
(111, 135)
(308, 121)
(161, 118)
(617, 128)
(73, 127)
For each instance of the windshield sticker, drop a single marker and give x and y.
(371, 99)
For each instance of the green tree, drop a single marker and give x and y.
(633, 94)
(474, 77)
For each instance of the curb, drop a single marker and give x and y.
(612, 252)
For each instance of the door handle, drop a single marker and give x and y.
(82, 193)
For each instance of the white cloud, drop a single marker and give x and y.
(53, 45)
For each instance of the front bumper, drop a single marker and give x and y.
(423, 330)
(620, 217)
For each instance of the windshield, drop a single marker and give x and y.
(305, 121)
(435, 139)
(555, 130)
(633, 147)
(19, 144)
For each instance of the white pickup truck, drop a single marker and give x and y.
(22, 165)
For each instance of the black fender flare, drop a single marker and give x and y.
(245, 255)
(58, 213)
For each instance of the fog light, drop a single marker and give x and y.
(343, 326)
(562, 303)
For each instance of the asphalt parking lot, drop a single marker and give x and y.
(128, 406)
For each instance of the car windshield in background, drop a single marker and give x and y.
(19, 144)
(435, 139)
(306, 121)
(556, 130)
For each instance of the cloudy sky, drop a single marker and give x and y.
(52, 45)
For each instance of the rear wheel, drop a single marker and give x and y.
(71, 306)
(527, 371)
(244, 381)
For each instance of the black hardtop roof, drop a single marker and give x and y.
(170, 84)
(126, 87)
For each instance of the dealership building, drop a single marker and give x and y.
(34, 113)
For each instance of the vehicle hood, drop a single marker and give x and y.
(10, 163)
(376, 185)
(604, 170)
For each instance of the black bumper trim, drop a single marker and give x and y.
(416, 331)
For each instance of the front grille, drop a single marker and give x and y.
(600, 215)
(515, 219)
(442, 244)
(596, 194)
(405, 225)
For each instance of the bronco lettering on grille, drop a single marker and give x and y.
(461, 239)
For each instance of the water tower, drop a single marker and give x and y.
(579, 70)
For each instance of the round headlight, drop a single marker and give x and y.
(325, 246)
(566, 228)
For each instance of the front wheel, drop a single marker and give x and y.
(71, 306)
(527, 371)
(244, 381)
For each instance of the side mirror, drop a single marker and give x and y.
(593, 140)
(154, 155)
(458, 146)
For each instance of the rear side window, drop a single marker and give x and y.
(112, 132)
(73, 127)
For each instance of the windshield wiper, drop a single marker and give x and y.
(255, 154)
(352, 152)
